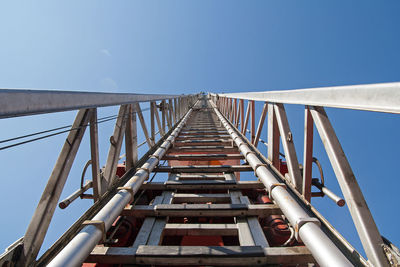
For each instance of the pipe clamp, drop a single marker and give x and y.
(155, 156)
(272, 187)
(129, 189)
(144, 169)
(300, 222)
(258, 165)
(99, 225)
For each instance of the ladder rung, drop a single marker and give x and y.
(203, 132)
(237, 185)
(203, 255)
(211, 137)
(207, 210)
(203, 143)
(203, 156)
(213, 149)
(200, 198)
(201, 182)
(223, 229)
(205, 168)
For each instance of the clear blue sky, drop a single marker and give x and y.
(192, 46)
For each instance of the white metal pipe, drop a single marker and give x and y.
(322, 248)
(83, 243)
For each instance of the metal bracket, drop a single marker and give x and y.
(163, 147)
(301, 221)
(155, 156)
(249, 152)
(241, 144)
(144, 169)
(257, 165)
(100, 225)
(129, 189)
(273, 186)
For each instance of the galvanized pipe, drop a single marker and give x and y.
(307, 228)
(83, 243)
(65, 203)
(338, 200)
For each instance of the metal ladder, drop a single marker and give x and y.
(199, 194)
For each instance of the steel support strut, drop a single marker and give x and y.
(307, 228)
(83, 243)
(40, 222)
(362, 217)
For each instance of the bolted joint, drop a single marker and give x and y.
(112, 140)
(289, 137)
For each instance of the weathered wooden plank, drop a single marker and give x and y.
(201, 198)
(245, 237)
(194, 210)
(145, 230)
(203, 157)
(201, 143)
(255, 227)
(237, 185)
(158, 227)
(213, 149)
(200, 229)
(200, 177)
(201, 182)
(205, 128)
(211, 132)
(206, 136)
(204, 168)
(214, 140)
(195, 255)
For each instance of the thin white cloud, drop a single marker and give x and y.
(105, 52)
(108, 85)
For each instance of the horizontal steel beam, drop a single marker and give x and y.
(383, 97)
(14, 103)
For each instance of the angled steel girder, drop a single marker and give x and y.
(40, 222)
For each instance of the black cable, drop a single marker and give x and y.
(101, 120)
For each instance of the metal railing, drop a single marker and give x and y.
(165, 113)
(374, 97)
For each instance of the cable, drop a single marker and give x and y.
(101, 120)
(46, 131)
